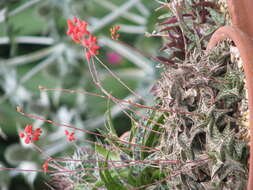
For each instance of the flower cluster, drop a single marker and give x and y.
(114, 32)
(77, 29)
(30, 134)
(70, 136)
(91, 45)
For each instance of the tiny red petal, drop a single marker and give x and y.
(21, 135)
(29, 129)
(35, 138)
(27, 140)
(75, 20)
(45, 166)
(69, 32)
(75, 38)
(37, 132)
(70, 24)
(72, 136)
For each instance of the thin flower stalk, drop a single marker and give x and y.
(80, 169)
(84, 131)
(113, 148)
(119, 102)
(123, 101)
(98, 83)
(96, 79)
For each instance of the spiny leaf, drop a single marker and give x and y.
(111, 182)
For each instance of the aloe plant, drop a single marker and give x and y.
(192, 138)
(241, 33)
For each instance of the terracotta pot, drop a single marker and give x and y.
(241, 32)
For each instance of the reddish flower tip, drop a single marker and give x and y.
(114, 32)
(45, 166)
(70, 136)
(21, 135)
(29, 129)
(77, 30)
(35, 138)
(27, 140)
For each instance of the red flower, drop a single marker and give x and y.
(29, 129)
(70, 136)
(77, 29)
(30, 134)
(21, 135)
(91, 45)
(45, 166)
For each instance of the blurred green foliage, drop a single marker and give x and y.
(34, 50)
